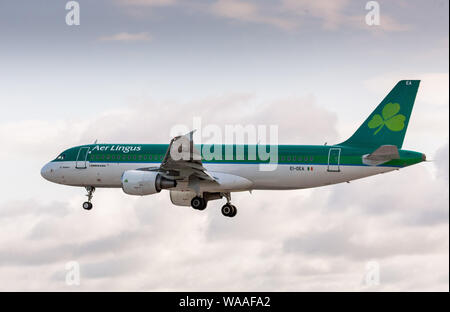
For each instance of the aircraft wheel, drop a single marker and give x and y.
(198, 203)
(87, 205)
(229, 210)
(234, 211)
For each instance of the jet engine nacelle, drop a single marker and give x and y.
(140, 182)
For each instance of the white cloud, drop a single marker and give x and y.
(293, 240)
(433, 86)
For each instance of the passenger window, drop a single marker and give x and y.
(149, 157)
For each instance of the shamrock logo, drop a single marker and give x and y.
(389, 118)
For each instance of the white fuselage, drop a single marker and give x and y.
(284, 177)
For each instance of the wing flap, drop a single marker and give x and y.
(183, 161)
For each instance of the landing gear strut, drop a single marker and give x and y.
(228, 210)
(198, 203)
(87, 204)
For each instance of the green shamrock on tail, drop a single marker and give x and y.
(392, 120)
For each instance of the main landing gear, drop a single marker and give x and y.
(87, 204)
(200, 203)
(228, 210)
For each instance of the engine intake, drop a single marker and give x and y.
(140, 182)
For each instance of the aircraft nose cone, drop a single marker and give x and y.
(424, 157)
(46, 172)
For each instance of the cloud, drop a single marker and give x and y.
(441, 160)
(29, 207)
(127, 37)
(314, 242)
(350, 240)
(330, 12)
(249, 12)
(433, 86)
(137, 122)
(317, 239)
(148, 3)
(335, 14)
(284, 14)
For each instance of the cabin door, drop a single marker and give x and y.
(334, 157)
(82, 158)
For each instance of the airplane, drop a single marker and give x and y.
(193, 179)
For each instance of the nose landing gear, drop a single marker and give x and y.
(87, 204)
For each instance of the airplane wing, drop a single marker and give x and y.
(381, 155)
(183, 161)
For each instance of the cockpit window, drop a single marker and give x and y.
(61, 157)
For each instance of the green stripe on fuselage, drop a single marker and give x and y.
(287, 154)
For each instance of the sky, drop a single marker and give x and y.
(133, 69)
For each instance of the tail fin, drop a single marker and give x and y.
(388, 122)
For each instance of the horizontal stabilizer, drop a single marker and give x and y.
(381, 155)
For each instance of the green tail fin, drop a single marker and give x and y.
(388, 122)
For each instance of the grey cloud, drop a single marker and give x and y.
(311, 122)
(110, 268)
(35, 254)
(424, 203)
(340, 242)
(31, 207)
